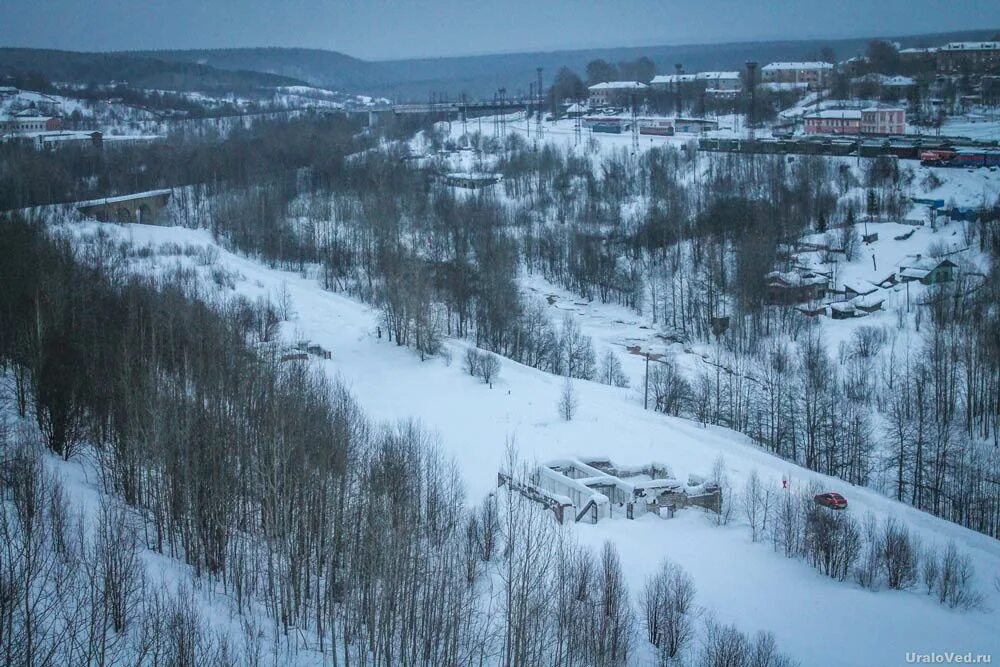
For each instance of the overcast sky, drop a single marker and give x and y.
(385, 29)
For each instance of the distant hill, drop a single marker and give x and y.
(139, 71)
(410, 79)
(480, 76)
(330, 69)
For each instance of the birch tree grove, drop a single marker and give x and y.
(324, 531)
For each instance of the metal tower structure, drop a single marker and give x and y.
(752, 84)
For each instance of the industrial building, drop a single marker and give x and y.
(24, 123)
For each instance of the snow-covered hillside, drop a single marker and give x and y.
(818, 620)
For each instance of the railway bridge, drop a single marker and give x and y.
(141, 207)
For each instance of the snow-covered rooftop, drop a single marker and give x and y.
(674, 78)
(860, 286)
(884, 80)
(718, 75)
(777, 67)
(699, 76)
(882, 107)
(870, 300)
(617, 85)
(971, 46)
(846, 114)
(795, 279)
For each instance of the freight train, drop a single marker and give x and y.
(931, 152)
(961, 157)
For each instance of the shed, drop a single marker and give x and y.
(858, 288)
(842, 310)
(870, 303)
(912, 273)
(812, 311)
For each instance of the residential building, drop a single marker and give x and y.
(670, 81)
(883, 120)
(615, 93)
(713, 83)
(855, 66)
(899, 85)
(815, 75)
(969, 57)
(721, 82)
(795, 286)
(927, 53)
(928, 271)
(833, 121)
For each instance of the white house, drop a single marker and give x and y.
(614, 93)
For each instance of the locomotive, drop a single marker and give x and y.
(962, 157)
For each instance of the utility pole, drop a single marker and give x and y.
(635, 125)
(859, 142)
(503, 116)
(541, 99)
(496, 117)
(678, 68)
(527, 109)
(465, 119)
(645, 390)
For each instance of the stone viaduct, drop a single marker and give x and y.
(143, 207)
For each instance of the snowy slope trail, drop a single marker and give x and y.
(817, 620)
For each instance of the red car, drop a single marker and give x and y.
(834, 501)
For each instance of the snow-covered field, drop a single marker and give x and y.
(983, 127)
(817, 620)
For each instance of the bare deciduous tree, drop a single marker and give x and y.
(568, 401)
(667, 601)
